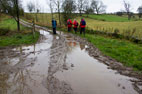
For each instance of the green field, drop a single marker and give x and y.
(111, 23)
(109, 18)
(125, 28)
(9, 35)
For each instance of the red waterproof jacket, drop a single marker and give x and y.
(81, 23)
(69, 23)
(75, 23)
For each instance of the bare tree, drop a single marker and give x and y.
(68, 7)
(37, 10)
(51, 5)
(98, 6)
(81, 6)
(58, 4)
(30, 6)
(88, 10)
(127, 7)
(140, 11)
(0, 8)
(13, 8)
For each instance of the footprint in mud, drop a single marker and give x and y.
(57, 63)
(72, 65)
(56, 86)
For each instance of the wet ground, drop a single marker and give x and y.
(58, 65)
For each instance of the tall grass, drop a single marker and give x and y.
(111, 23)
(124, 27)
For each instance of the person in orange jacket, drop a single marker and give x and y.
(69, 23)
(75, 23)
(82, 26)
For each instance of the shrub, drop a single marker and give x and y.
(119, 13)
(116, 33)
(3, 31)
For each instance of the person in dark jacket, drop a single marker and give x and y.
(82, 26)
(69, 23)
(54, 25)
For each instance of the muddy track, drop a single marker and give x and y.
(52, 54)
(57, 62)
(95, 53)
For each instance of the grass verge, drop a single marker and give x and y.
(10, 37)
(18, 39)
(128, 53)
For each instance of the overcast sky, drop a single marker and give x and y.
(112, 5)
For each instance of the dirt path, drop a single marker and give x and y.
(58, 65)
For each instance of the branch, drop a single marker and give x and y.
(8, 10)
(55, 2)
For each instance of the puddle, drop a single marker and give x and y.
(88, 76)
(57, 65)
(24, 74)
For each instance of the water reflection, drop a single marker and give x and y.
(57, 63)
(82, 46)
(72, 44)
(13, 76)
(19, 73)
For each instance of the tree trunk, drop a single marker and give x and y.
(18, 18)
(36, 17)
(97, 12)
(129, 16)
(59, 13)
(52, 15)
(59, 17)
(80, 12)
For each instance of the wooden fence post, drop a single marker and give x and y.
(33, 29)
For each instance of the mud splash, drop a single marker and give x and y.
(58, 65)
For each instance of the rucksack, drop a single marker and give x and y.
(76, 24)
(69, 23)
(54, 23)
(83, 23)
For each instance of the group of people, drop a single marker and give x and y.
(75, 25)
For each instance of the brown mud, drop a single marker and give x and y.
(62, 64)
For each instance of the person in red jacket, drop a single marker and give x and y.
(69, 23)
(82, 26)
(75, 23)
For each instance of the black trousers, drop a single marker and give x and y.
(82, 30)
(69, 29)
(54, 30)
(75, 29)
